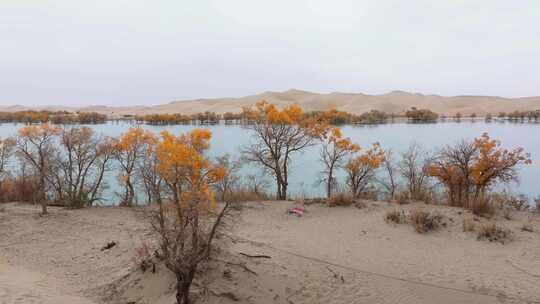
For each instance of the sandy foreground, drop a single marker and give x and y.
(330, 255)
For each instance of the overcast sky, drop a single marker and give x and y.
(128, 52)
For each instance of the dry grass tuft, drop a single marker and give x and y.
(396, 216)
(493, 233)
(340, 199)
(424, 221)
(482, 207)
(507, 213)
(402, 198)
(245, 195)
(469, 223)
(527, 227)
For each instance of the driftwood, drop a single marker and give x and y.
(109, 245)
(260, 256)
(241, 265)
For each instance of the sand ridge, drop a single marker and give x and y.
(396, 102)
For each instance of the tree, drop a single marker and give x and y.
(421, 115)
(81, 164)
(413, 167)
(334, 150)
(470, 168)
(494, 164)
(389, 184)
(230, 180)
(35, 144)
(361, 169)
(149, 174)
(188, 222)
(278, 135)
(128, 149)
(452, 167)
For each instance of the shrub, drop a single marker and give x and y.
(527, 227)
(482, 207)
(396, 216)
(245, 195)
(519, 203)
(20, 189)
(507, 213)
(340, 199)
(142, 257)
(469, 224)
(403, 198)
(537, 202)
(493, 233)
(424, 221)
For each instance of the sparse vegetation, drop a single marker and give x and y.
(527, 227)
(424, 221)
(340, 199)
(469, 223)
(493, 233)
(421, 115)
(396, 216)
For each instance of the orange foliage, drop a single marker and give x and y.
(181, 162)
(495, 163)
(472, 168)
(361, 169)
(128, 149)
(334, 149)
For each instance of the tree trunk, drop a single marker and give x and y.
(42, 196)
(183, 284)
(329, 184)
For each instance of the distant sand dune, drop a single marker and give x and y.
(393, 102)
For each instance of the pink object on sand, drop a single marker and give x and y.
(298, 211)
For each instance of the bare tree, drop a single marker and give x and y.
(413, 167)
(81, 165)
(389, 183)
(257, 183)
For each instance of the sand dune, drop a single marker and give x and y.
(331, 255)
(393, 102)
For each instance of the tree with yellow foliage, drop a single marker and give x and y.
(128, 149)
(188, 222)
(469, 169)
(35, 145)
(335, 149)
(361, 169)
(278, 135)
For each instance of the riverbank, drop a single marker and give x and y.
(330, 255)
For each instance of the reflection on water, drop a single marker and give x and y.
(305, 166)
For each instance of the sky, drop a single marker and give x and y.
(145, 52)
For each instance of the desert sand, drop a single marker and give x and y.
(396, 102)
(330, 255)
